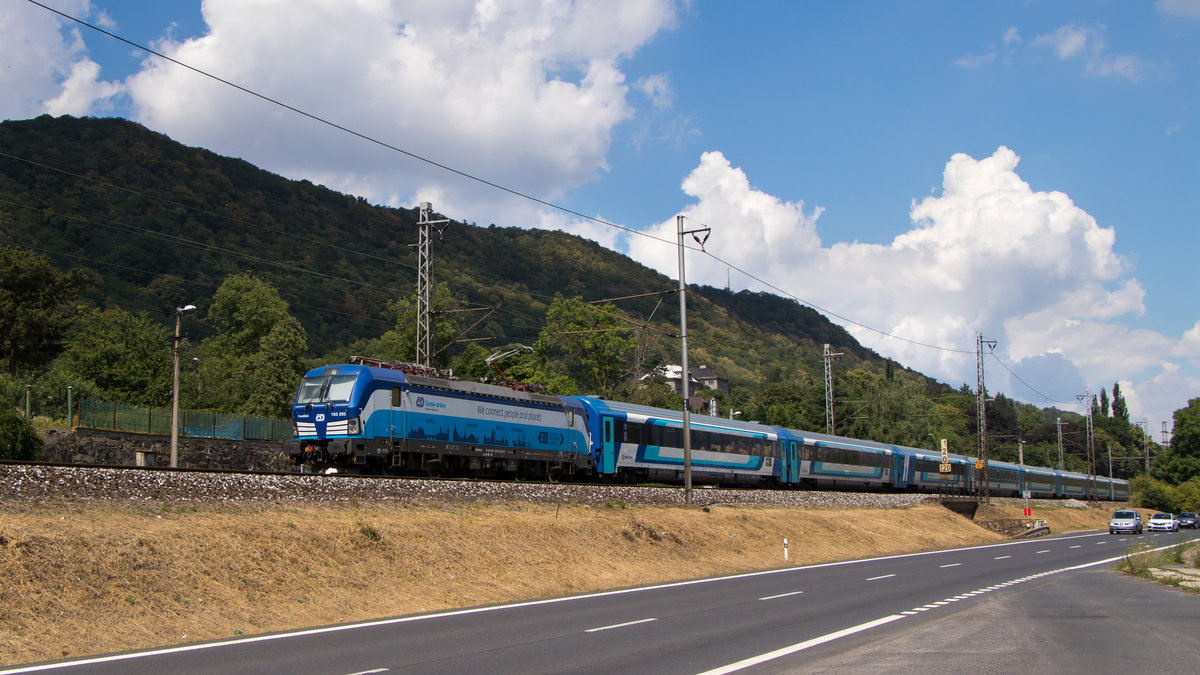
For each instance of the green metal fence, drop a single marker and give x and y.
(197, 423)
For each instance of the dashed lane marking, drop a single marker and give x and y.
(619, 625)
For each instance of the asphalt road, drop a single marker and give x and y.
(1006, 607)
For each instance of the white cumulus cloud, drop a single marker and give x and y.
(45, 66)
(1027, 268)
(525, 93)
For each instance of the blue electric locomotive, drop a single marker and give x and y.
(374, 416)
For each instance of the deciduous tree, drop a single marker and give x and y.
(253, 363)
(588, 343)
(127, 356)
(35, 307)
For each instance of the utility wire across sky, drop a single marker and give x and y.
(502, 188)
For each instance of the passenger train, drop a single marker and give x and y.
(375, 416)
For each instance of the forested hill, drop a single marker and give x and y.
(159, 225)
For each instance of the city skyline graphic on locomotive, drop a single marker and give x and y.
(373, 416)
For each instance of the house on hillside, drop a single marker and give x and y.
(701, 377)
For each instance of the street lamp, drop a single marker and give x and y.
(686, 374)
(175, 387)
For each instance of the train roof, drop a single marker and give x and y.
(604, 405)
(458, 386)
(818, 438)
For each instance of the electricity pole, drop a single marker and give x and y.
(1089, 402)
(685, 375)
(829, 357)
(425, 282)
(981, 411)
(1058, 423)
(175, 385)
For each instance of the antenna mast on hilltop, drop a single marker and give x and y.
(425, 283)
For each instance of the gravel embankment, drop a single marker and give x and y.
(40, 484)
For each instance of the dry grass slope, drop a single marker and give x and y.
(85, 579)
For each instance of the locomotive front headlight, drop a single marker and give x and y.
(352, 426)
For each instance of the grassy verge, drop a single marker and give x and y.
(1175, 566)
(84, 580)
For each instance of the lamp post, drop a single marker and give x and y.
(175, 386)
(686, 374)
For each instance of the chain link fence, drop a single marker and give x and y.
(195, 423)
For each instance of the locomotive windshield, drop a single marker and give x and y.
(332, 388)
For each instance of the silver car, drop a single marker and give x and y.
(1162, 522)
(1125, 521)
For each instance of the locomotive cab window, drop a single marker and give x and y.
(326, 389)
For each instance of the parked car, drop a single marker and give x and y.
(1162, 522)
(1125, 521)
(1188, 519)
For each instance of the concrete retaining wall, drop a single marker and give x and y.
(91, 446)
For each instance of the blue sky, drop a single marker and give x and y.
(925, 169)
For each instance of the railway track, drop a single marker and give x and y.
(33, 482)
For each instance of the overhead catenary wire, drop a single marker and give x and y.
(500, 187)
(469, 176)
(345, 129)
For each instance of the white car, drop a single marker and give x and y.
(1162, 522)
(1125, 520)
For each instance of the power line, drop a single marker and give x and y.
(483, 181)
(339, 127)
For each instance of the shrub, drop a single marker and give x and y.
(1151, 493)
(1138, 560)
(18, 439)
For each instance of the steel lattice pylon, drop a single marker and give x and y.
(425, 283)
(830, 427)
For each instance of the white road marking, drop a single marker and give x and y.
(1001, 557)
(886, 576)
(370, 672)
(950, 565)
(1045, 550)
(495, 608)
(781, 595)
(799, 647)
(619, 625)
(1077, 545)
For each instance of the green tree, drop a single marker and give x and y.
(1181, 461)
(274, 370)
(472, 362)
(587, 343)
(34, 307)
(18, 439)
(253, 363)
(400, 343)
(1151, 493)
(127, 356)
(1119, 409)
(1103, 409)
(792, 403)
